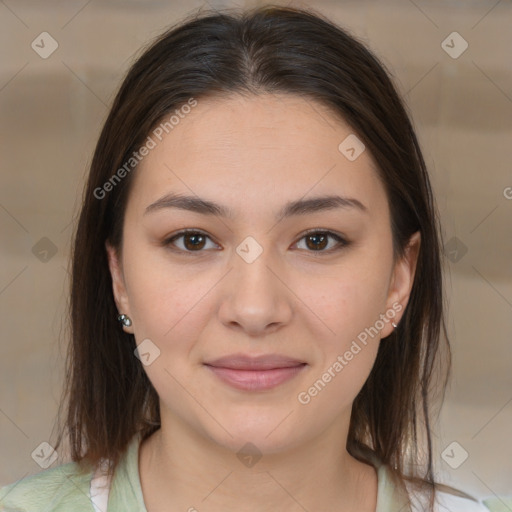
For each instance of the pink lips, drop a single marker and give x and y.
(255, 373)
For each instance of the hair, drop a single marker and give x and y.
(276, 50)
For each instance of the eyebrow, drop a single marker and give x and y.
(298, 207)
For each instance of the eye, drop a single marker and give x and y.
(193, 241)
(318, 240)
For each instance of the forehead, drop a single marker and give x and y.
(258, 147)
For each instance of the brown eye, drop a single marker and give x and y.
(317, 241)
(193, 241)
(196, 241)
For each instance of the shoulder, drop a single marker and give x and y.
(447, 498)
(447, 501)
(450, 499)
(59, 489)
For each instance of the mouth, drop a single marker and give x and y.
(255, 373)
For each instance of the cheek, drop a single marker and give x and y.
(347, 345)
(347, 302)
(164, 302)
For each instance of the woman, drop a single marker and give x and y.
(256, 300)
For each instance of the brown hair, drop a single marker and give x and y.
(278, 50)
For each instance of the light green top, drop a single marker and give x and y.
(63, 489)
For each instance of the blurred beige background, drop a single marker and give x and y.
(461, 103)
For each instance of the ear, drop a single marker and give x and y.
(118, 285)
(402, 281)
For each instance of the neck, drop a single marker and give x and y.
(181, 468)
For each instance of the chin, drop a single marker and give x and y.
(264, 437)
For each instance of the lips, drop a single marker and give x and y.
(262, 362)
(256, 373)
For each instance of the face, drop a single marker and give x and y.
(317, 285)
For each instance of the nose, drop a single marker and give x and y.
(255, 299)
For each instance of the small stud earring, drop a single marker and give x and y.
(393, 324)
(125, 320)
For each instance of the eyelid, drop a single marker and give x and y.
(321, 230)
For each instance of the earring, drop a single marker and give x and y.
(125, 320)
(394, 325)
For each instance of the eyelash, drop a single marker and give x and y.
(342, 243)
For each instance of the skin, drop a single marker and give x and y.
(253, 155)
